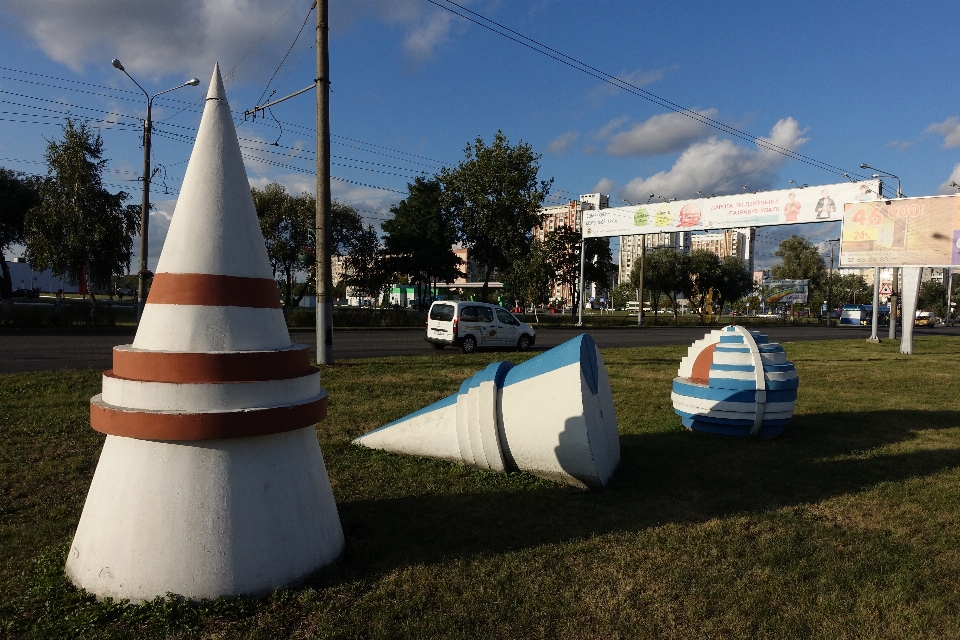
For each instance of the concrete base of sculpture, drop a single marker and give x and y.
(206, 518)
(551, 416)
(734, 382)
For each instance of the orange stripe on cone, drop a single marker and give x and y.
(211, 290)
(238, 366)
(148, 425)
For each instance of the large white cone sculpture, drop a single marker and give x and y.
(551, 416)
(211, 481)
(735, 382)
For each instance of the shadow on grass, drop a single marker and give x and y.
(673, 477)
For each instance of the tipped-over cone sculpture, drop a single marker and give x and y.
(211, 482)
(734, 382)
(551, 416)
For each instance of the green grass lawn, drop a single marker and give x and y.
(846, 526)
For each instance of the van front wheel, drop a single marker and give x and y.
(469, 344)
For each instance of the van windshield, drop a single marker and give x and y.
(442, 312)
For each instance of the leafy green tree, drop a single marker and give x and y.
(668, 273)
(705, 276)
(79, 229)
(288, 224)
(495, 198)
(853, 289)
(529, 277)
(18, 194)
(419, 238)
(621, 294)
(735, 282)
(367, 271)
(933, 297)
(799, 260)
(563, 260)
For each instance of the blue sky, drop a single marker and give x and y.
(841, 83)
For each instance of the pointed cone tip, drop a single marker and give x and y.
(216, 90)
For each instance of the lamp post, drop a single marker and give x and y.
(876, 272)
(830, 281)
(143, 272)
(886, 173)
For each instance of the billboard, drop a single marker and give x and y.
(784, 291)
(789, 206)
(905, 232)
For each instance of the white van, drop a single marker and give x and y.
(472, 325)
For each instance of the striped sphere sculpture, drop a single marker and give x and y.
(735, 382)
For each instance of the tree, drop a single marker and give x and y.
(667, 273)
(852, 288)
(933, 297)
(365, 266)
(79, 229)
(735, 282)
(705, 276)
(563, 260)
(288, 225)
(799, 260)
(621, 294)
(494, 197)
(420, 236)
(286, 222)
(529, 277)
(18, 194)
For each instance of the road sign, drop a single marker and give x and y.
(885, 289)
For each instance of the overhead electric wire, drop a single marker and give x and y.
(189, 104)
(630, 88)
(292, 45)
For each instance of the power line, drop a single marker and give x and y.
(630, 88)
(185, 138)
(292, 45)
(192, 105)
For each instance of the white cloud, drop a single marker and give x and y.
(720, 166)
(425, 27)
(945, 188)
(637, 78)
(949, 129)
(662, 134)
(562, 142)
(188, 36)
(604, 185)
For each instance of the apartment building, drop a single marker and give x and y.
(630, 247)
(567, 215)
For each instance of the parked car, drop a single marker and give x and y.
(473, 325)
(25, 293)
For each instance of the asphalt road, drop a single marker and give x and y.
(47, 350)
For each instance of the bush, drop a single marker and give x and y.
(70, 313)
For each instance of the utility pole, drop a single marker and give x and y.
(323, 231)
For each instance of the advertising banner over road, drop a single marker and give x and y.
(905, 232)
(790, 206)
(784, 291)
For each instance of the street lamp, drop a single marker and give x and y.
(829, 300)
(866, 166)
(876, 271)
(143, 272)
